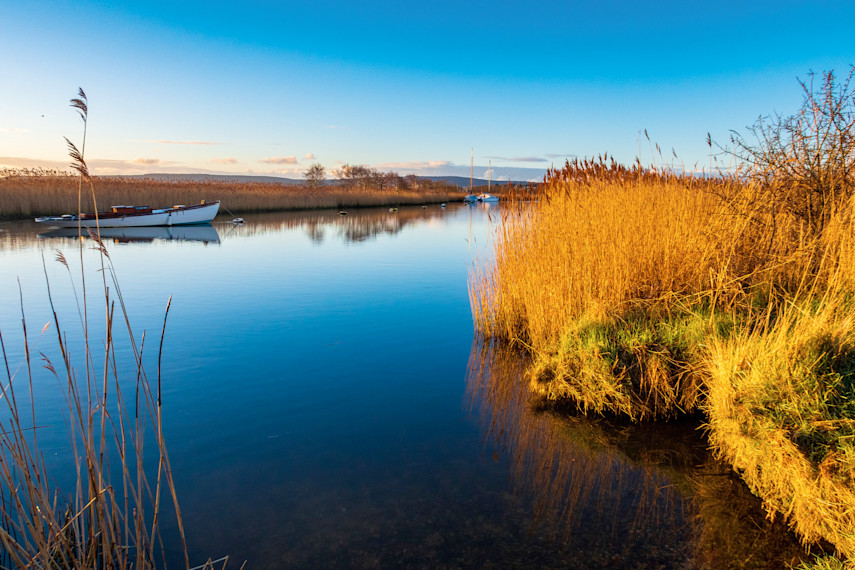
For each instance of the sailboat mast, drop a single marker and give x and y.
(471, 168)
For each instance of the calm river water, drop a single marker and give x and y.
(326, 405)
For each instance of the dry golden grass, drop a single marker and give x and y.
(50, 193)
(781, 409)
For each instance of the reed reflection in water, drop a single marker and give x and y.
(354, 226)
(643, 495)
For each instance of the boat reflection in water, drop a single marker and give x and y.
(616, 494)
(205, 233)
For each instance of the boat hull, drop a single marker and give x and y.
(177, 216)
(488, 198)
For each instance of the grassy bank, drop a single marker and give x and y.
(650, 296)
(25, 195)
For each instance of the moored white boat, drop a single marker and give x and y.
(136, 216)
(485, 197)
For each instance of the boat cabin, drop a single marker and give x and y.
(131, 209)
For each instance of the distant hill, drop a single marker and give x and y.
(463, 181)
(460, 181)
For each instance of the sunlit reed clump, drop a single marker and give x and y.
(652, 294)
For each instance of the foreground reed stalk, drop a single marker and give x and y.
(112, 518)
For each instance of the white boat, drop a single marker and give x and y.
(485, 197)
(135, 216)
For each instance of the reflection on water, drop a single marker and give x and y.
(352, 226)
(648, 493)
(205, 233)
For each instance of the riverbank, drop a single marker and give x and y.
(27, 196)
(652, 296)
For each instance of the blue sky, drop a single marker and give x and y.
(269, 88)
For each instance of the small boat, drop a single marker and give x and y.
(485, 197)
(470, 198)
(135, 216)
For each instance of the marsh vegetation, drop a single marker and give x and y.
(651, 295)
(29, 193)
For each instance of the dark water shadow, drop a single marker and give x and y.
(637, 495)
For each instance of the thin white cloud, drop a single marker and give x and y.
(285, 171)
(202, 143)
(135, 166)
(14, 130)
(17, 162)
(309, 156)
(224, 160)
(413, 165)
(568, 155)
(519, 158)
(279, 160)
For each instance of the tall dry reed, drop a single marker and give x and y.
(651, 295)
(112, 516)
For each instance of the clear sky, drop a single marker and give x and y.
(271, 87)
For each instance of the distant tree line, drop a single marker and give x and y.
(366, 178)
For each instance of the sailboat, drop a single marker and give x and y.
(471, 198)
(486, 196)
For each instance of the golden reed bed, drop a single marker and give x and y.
(52, 193)
(652, 296)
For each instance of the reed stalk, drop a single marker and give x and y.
(112, 517)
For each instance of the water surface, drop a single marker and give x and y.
(327, 406)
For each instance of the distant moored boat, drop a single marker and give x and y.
(485, 197)
(134, 216)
